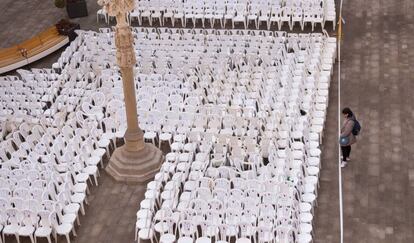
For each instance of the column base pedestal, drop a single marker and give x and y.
(135, 167)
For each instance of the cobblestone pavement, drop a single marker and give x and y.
(376, 83)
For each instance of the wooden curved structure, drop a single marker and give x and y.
(31, 50)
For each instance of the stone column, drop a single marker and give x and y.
(136, 161)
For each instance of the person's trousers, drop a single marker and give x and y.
(346, 151)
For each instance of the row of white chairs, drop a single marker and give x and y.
(268, 12)
(289, 142)
(60, 152)
(278, 156)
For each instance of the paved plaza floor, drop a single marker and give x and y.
(377, 83)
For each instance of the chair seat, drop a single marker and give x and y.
(177, 146)
(185, 239)
(146, 234)
(63, 229)
(239, 19)
(43, 231)
(305, 228)
(72, 208)
(305, 207)
(150, 135)
(165, 136)
(99, 152)
(91, 169)
(184, 157)
(144, 213)
(312, 170)
(306, 217)
(203, 240)
(79, 187)
(69, 218)
(156, 15)
(103, 143)
(161, 227)
(171, 157)
(304, 238)
(190, 185)
(243, 240)
(252, 17)
(142, 223)
(11, 229)
(167, 238)
(26, 230)
(308, 197)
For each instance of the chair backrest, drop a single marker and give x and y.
(30, 218)
(187, 228)
(265, 233)
(14, 216)
(215, 205)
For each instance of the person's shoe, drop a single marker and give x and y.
(343, 164)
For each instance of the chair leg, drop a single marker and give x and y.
(17, 238)
(67, 238)
(74, 231)
(96, 179)
(82, 209)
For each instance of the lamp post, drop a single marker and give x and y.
(136, 161)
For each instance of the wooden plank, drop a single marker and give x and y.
(34, 46)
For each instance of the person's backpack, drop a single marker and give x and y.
(357, 127)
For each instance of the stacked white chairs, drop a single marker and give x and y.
(241, 112)
(50, 153)
(288, 12)
(251, 89)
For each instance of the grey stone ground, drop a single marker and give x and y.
(376, 83)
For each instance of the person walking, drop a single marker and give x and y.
(347, 135)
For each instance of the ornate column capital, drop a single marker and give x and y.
(124, 39)
(117, 7)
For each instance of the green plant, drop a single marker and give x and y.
(60, 3)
